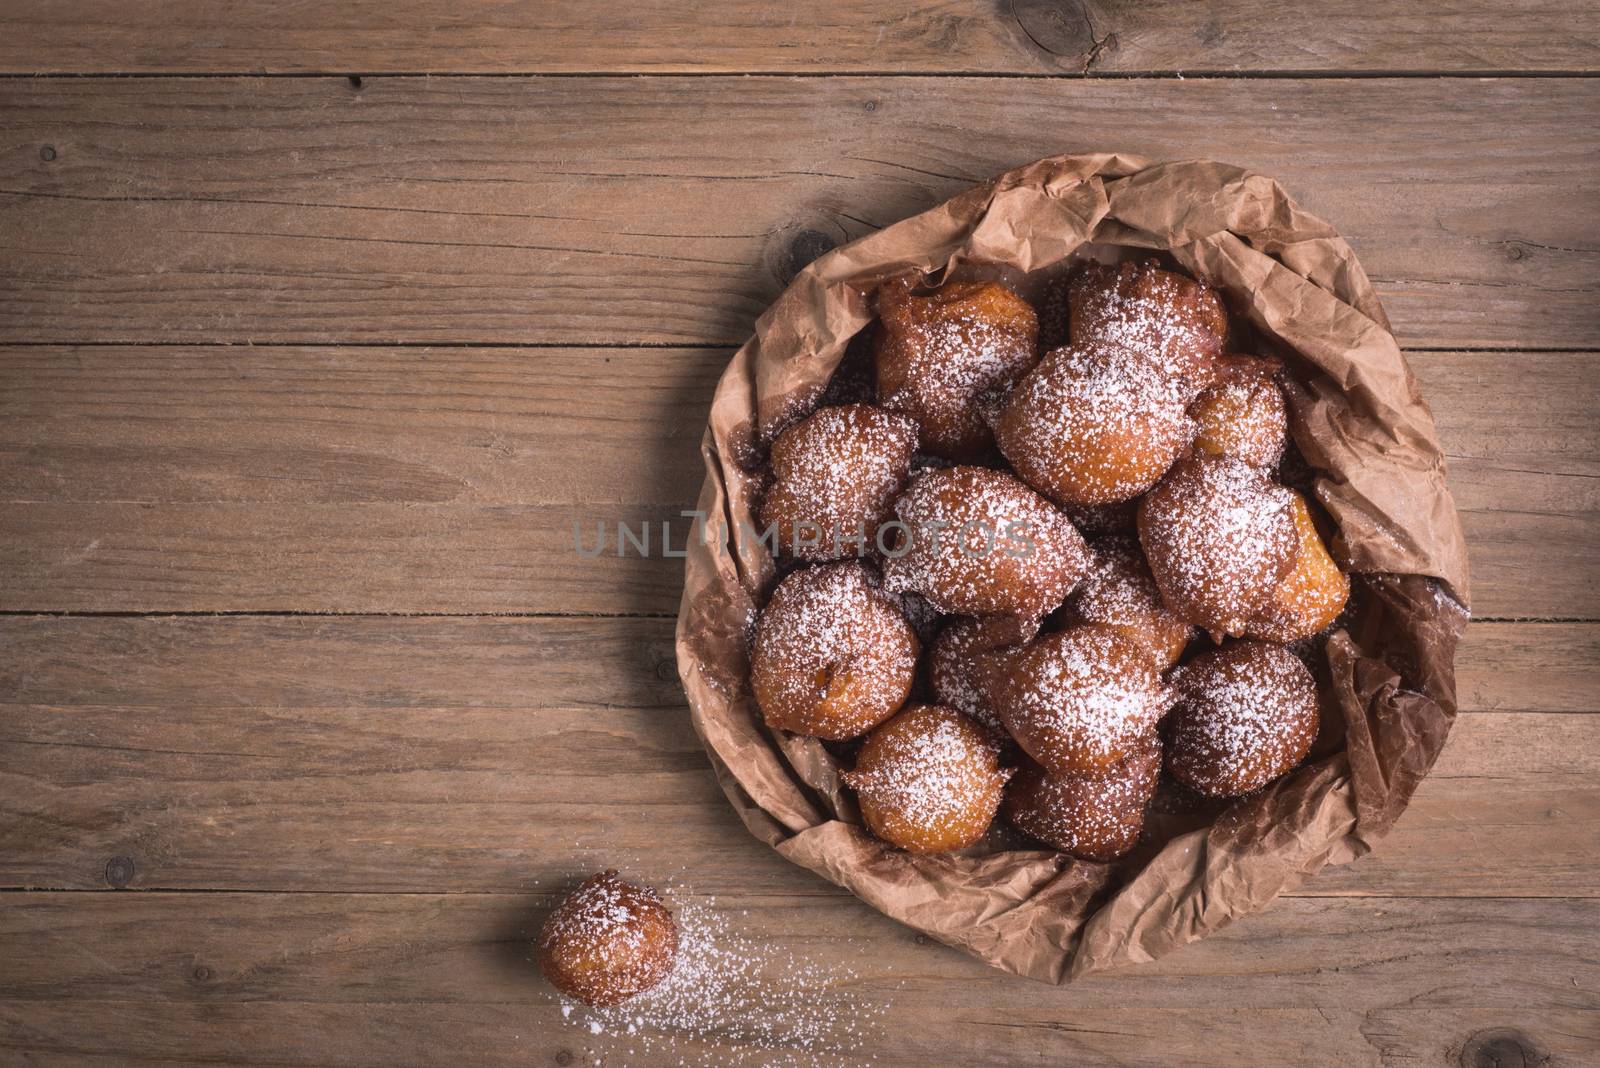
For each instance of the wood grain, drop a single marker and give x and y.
(124, 974)
(667, 210)
(450, 480)
(426, 755)
(425, 785)
(732, 36)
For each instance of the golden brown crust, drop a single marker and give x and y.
(1244, 414)
(607, 941)
(1094, 425)
(979, 542)
(1178, 321)
(1219, 536)
(833, 655)
(1246, 714)
(938, 355)
(929, 780)
(836, 474)
(1092, 817)
(968, 658)
(1081, 699)
(1120, 592)
(1313, 594)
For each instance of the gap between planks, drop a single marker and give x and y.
(1214, 75)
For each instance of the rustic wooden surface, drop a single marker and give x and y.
(307, 708)
(814, 36)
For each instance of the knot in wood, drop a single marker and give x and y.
(120, 871)
(1502, 1047)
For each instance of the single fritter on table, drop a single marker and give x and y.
(608, 941)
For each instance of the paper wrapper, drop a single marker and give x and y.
(1388, 681)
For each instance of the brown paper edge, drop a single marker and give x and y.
(1358, 418)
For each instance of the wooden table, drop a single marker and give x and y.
(321, 324)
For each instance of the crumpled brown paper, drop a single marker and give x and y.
(1389, 679)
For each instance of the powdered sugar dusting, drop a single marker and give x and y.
(751, 1002)
(1081, 698)
(1120, 592)
(1094, 425)
(828, 627)
(929, 779)
(607, 940)
(836, 474)
(1093, 817)
(1219, 536)
(1247, 713)
(980, 542)
(1174, 320)
(967, 659)
(938, 358)
(1244, 415)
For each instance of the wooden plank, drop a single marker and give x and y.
(546, 210)
(70, 1034)
(732, 36)
(421, 754)
(449, 480)
(1524, 466)
(366, 979)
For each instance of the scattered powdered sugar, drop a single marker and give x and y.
(733, 1000)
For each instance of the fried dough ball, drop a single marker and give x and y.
(1246, 714)
(1094, 425)
(1314, 593)
(1120, 592)
(607, 941)
(1244, 414)
(968, 659)
(1179, 322)
(1092, 817)
(836, 474)
(929, 780)
(978, 542)
(939, 355)
(1219, 536)
(1081, 699)
(833, 656)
